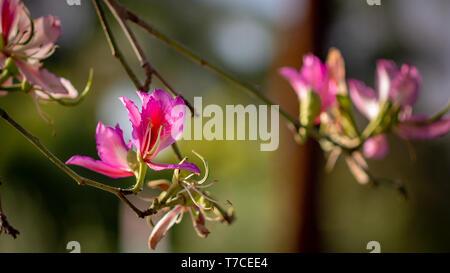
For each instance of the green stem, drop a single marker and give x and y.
(113, 45)
(251, 89)
(375, 123)
(141, 176)
(121, 14)
(440, 114)
(120, 193)
(170, 191)
(177, 151)
(4, 77)
(12, 88)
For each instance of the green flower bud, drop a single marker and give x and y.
(309, 108)
(26, 86)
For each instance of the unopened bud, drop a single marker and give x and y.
(309, 108)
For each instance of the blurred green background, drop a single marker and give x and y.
(245, 38)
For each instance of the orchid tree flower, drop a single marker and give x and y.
(113, 152)
(157, 126)
(24, 43)
(314, 86)
(398, 90)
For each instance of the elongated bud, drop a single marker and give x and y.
(26, 86)
(309, 108)
(345, 114)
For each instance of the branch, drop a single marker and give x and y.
(253, 90)
(120, 193)
(113, 45)
(121, 14)
(4, 224)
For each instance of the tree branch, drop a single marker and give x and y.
(121, 14)
(253, 90)
(5, 227)
(113, 45)
(120, 193)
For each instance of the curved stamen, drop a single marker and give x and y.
(147, 136)
(155, 147)
(205, 163)
(208, 185)
(207, 197)
(193, 200)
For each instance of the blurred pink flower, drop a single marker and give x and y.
(157, 126)
(400, 87)
(112, 151)
(28, 42)
(313, 76)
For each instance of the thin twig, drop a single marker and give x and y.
(121, 14)
(113, 45)
(253, 90)
(376, 181)
(120, 193)
(5, 226)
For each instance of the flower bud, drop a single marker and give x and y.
(26, 86)
(309, 108)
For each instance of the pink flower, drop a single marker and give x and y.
(157, 126)
(313, 76)
(28, 42)
(112, 151)
(174, 216)
(400, 87)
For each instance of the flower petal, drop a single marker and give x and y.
(47, 30)
(43, 79)
(163, 225)
(336, 70)
(161, 109)
(314, 72)
(135, 119)
(405, 86)
(9, 12)
(111, 147)
(98, 166)
(413, 129)
(364, 98)
(199, 224)
(293, 76)
(183, 166)
(376, 147)
(386, 72)
(312, 76)
(357, 166)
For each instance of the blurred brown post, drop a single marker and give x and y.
(298, 166)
